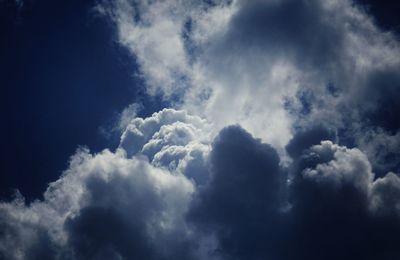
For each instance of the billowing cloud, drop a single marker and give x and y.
(334, 210)
(130, 203)
(112, 205)
(281, 64)
(105, 206)
(243, 201)
(281, 143)
(170, 139)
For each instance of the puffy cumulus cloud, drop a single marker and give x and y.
(131, 210)
(385, 194)
(23, 234)
(347, 166)
(132, 204)
(105, 206)
(171, 139)
(334, 206)
(272, 66)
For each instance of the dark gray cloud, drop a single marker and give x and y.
(298, 30)
(330, 212)
(117, 223)
(243, 200)
(108, 206)
(303, 139)
(382, 93)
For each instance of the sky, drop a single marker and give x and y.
(213, 129)
(65, 80)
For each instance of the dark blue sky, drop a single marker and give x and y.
(63, 77)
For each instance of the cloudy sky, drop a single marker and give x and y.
(200, 129)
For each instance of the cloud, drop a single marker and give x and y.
(382, 148)
(170, 139)
(242, 202)
(305, 138)
(331, 211)
(281, 142)
(105, 206)
(333, 214)
(246, 205)
(385, 192)
(282, 65)
(125, 204)
(131, 210)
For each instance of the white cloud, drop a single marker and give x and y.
(341, 167)
(347, 166)
(171, 139)
(240, 62)
(384, 196)
(108, 181)
(147, 184)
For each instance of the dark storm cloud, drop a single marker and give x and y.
(115, 224)
(242, 201)
(303, 139)
(377, 131)
(311, 35)
(383, 96)
(111, 227)
(331, 212)
(296, 29)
